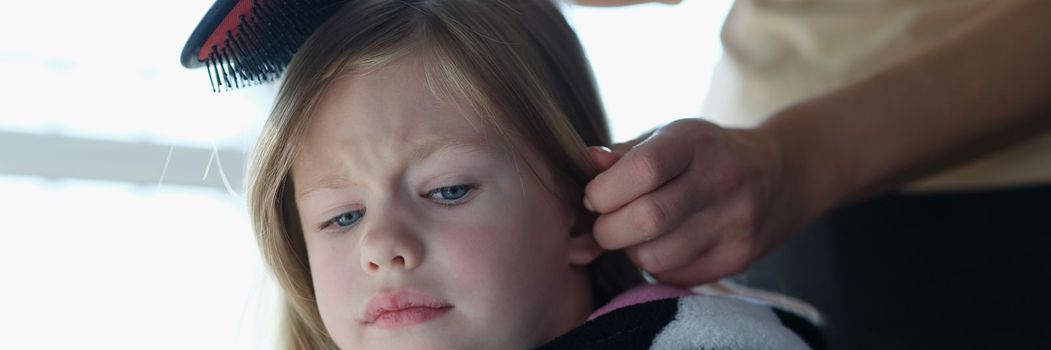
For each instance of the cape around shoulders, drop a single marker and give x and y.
(669, 318)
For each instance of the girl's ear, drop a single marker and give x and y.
(583, 249)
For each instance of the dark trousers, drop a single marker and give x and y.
(945, 271)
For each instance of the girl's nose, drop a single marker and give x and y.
(388, 248)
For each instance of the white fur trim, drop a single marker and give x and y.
(717, 322)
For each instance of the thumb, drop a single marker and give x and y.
(602, 157)
(624, 147)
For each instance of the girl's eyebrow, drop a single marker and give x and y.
(331, 183)
(418, 153)
(425, 149)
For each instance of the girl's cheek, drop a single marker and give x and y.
(332, 288)
(333, 268)
(469, 246)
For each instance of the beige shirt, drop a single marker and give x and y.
(778, 52)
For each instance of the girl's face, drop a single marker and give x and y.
(424, 232)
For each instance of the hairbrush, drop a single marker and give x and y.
(249, 42)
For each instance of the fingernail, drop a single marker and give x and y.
(606, 149)
(587, 205)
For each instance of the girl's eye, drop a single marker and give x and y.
(347, 219)
(450, 194)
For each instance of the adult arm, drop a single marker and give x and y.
(693, 202)
(986, 88)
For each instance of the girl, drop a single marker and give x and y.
(418, 186)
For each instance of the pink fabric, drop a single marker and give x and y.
(639, 295)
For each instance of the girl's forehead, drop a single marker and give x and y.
(402, 101)
(395, 97)
(394, 111)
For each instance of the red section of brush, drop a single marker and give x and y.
(248, 42)
(228, 24)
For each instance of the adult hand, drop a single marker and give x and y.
(693, 202)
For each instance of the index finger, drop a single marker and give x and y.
(644, 168)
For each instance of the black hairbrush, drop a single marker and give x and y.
(249, 42)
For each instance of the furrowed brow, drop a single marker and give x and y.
(427, 148)
(417, 154)
(333, 183)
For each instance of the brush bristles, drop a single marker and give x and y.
(264, 42)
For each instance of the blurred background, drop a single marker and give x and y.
(122, 216)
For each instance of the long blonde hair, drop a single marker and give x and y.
(516, 63)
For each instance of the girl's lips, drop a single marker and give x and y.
(403, 308)
(410, 316)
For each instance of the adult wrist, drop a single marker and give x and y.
(807, 173)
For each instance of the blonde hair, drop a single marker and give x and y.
(516, 63)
